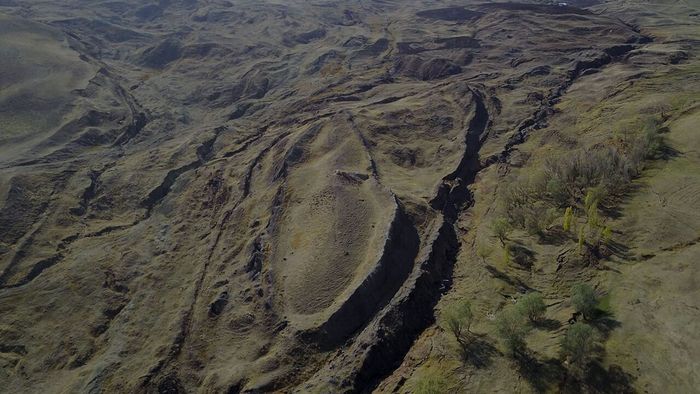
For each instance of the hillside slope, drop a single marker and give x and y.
(218, 196)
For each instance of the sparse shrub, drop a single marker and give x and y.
(647, 145)
(583, 299)
(536, 218)
(484, 250)
(532, 306)
(527, 206)
(519, 193)
(578, 345)
(546, 220)
(511, 327)
(457, 319)
(590, 199)
(501, 229)
(654, 144)
(600, 240)
(568, 218)
(431, 380)
(558, 193)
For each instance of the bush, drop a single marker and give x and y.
(589, 179)
(558, 193)
(527, 207)
(584, 300)
(512, 327)
(457, 319)
(532, 306)
(578, 345)
(431, 381)
(484, 250)
(535, 219)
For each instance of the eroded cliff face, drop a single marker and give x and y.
(238, 196)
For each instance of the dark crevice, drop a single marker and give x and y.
(243, 147)
(204, 153)
(251, 167)
(538, 119)
(139, 119)
(88, 194)
(137, 124)
(158, 194)
(390, 272)
(412, 312)
(453, 193)
(366, 145)
(36, 270)
(406, 320)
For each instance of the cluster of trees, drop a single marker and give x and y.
(457, 319)
(574, 188)
(514, 322)
(593, 232)
(579, 344)
(581, 183)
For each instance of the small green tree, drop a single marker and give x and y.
(501, 229)
(532, 306)
(578, 345)
(456, 318)
(512, 327)
(593, 219)
(583, 299)
(568, 217)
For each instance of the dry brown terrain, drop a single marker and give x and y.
(282, 196)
